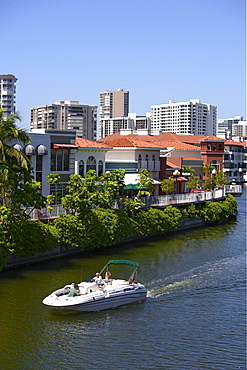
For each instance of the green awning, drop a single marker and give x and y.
(123, 262)
(134, 186)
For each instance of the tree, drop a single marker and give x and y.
(12, 161)
(214, 178)
(145, 181)
(194, 182)
(168, 185)
(91, 191)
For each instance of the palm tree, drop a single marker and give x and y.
(9, 132)
(10, 157)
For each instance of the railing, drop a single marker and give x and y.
(234, 189)
(36, 214)
(165, 200)
(151, 201)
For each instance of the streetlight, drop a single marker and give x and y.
(176, 173)
(214, 171)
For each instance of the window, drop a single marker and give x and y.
(153, 160)
(81, 168)
(215, 164)
(39, 168)
(100, 168)
(60, 159)
(209, 147)
(91, 163)
(139, 161)
(146, 159)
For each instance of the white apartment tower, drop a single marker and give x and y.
(192, 117)
(7, 94)
(66, 115)
(132, 122)
(225, 127)
(113, 104)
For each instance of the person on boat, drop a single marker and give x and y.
(98, 280)
(74, 291)
(107, 274)
(132, 280)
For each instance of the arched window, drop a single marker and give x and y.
(146, 159)
(215, 148)
(215, 164)
(100, 168)
(220, 146)
(139, 161)
(81, 168)
(91, 163)
(209, 147)
(153, 161)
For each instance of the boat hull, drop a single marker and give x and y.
(100, 300)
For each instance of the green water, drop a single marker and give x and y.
(193, 318)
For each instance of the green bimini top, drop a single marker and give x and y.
(123, 262)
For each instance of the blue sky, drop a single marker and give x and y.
(158, 50)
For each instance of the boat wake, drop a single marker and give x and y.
(222, 274)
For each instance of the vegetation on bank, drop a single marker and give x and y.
(90, 220)
(101, 227)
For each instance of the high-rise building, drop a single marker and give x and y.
(239, 130)
(7, 94)
(113, 104)
(132, 122)
(225, 127)
(192, 117)
(66, 115)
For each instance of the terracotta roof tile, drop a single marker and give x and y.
(84, 143)
(232, 142)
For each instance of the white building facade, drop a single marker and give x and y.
(66, 115)
(110, 126)
(8, 94)
(192, 117)
(225, 127)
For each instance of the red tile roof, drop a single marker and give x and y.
(130, 142)
(232, 142)
(84, 143)
(146, 141)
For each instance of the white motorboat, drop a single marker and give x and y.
(93, 297)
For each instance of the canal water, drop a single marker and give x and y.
(194, 316)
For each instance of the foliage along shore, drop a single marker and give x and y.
(101, 227)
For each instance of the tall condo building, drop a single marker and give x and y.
(66, 115)
(7, 94)
(113, 104)
(192, 117)
(225, 126)
(132, 122)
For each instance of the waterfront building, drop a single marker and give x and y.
(90, 155)
(225, 127)
(113, 104)
(66, 115)
(8, 94)
(192, 117)
(235, 161)
(61, 152)
(132, 122)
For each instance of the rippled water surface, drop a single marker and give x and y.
(193, 318)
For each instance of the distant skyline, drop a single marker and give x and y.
(158, 50)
